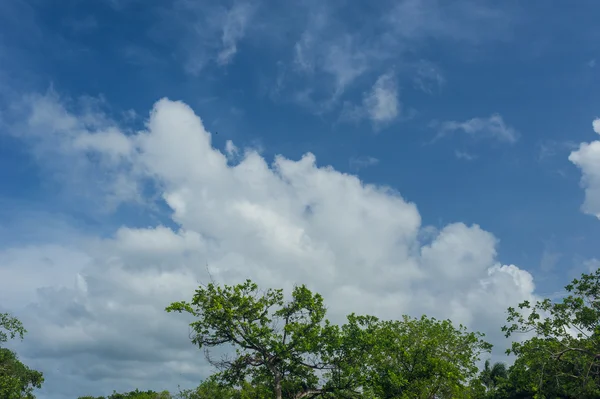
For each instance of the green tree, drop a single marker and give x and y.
(16, 379)
(287, 346)
(492, 376)
(137, 394)
(423, 358)
(563, 357)
(210, 389)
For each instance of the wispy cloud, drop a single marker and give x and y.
(234, 29)
(81, 25)
(204, 33)
(492, 127)
(334, 55)
(549, 148)
(464, 20)
(549, 259)
(362, 162)
(464, 155)
(428, 77)
(381, 104)
(592, 265)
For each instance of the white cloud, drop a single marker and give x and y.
(380, 104)
(492, 127)
(204, 32)
(78, 149)
(231, 149)
(101, 319)
(335, 54)
(234, 29)
(587, 158)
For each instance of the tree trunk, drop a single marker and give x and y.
(278, 393)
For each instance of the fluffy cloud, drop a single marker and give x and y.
(587, 158)
(492, 127)
(95, 309)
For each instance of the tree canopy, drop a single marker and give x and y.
(423, 358)
(287, 345)
(291, 347)
(562, 359)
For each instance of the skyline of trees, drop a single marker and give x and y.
(286, 348)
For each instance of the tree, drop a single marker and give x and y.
(287, 346)
(423, 358)
(16, 379)
(562, 359)
(491, 376)
(137, 394)
(210, 389)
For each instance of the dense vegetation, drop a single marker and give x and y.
(288, 349)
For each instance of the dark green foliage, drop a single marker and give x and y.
(563, 357)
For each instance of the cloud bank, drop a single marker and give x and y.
(95, 307)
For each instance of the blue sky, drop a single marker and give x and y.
(473, 111)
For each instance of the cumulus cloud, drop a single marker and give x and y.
(96, 308)
(492, 127)
(75, 149)
(587, 158)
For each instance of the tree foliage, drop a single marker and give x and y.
(287, 345)
(137, 394)
(16, 379)
(423, 358)
(290, 348)
(211, 388)
(562, 359)
(10, 327)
